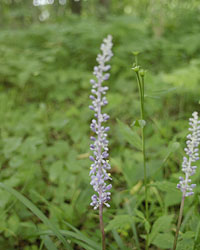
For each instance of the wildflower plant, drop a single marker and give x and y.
(193, 140)
(100, 164)
(140, 74)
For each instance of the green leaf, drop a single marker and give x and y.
(165, 186)
(37, 212)
(119, 221)
(75, 236)
(83, 237)
(13, 222)
(162, 224)
(171, 149)
(197, 238)
(142, 218)
(164, 91)
(172, 198)
(139, 214)
(118, 240)
(55, 170)
(130, 135)
(48, 242)
(173, 195)
(147, 226)
(163, 240)
(139, 123)
(187, 241)
(11, 144)
(83, 245)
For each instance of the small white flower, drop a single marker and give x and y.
(191, 150)
(100, 165)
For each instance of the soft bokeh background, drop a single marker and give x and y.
(47, 54)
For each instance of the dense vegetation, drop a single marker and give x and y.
(45, 67)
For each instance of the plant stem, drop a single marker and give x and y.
(179, 221)
(99, 165)
(141, 90)
(144, 163)
(102, 227)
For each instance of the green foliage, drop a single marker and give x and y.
(186, 241)
(37, 212)
(130, 135)
(160, 232)
(163, 240)
(120, 221)
(45, 69)
(48, 243)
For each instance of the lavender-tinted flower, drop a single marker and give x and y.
(99, 146)
(193, 140)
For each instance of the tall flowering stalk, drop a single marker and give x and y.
(99, 146)
(140, 73)
(193, 140)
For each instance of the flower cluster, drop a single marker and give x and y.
(99, 146)
(192, 155)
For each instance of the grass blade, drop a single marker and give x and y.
(76, 237)
(85, 246)
(38, 213)
(83, 237)
(48, 242)
(118, 240)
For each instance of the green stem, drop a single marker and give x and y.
(143, 93)
(141, 90)
(179, 221)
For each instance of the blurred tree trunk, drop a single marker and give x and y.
(104, 7)
(76, 6)
(104, 3)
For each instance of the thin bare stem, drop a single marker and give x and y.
(102, 227)
(179, 221)
(141, 91)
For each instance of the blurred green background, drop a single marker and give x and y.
(47, 55)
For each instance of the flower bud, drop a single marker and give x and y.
(136, 68)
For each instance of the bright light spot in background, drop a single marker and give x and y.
(128, 9)
(45, 2)
(62, 2)
(42, 2)
(44, 15)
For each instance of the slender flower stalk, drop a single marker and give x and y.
(100, 164)
(187, 166)
(140, 73)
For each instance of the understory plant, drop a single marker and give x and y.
(100, 164)
(188, 167)
(140, 73)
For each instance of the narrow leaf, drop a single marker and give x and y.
(118, 240)
(48, 243)
(37, 212)
(75, 236)
(83, 237)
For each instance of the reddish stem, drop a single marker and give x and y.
(102, 227)
(179, 221)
